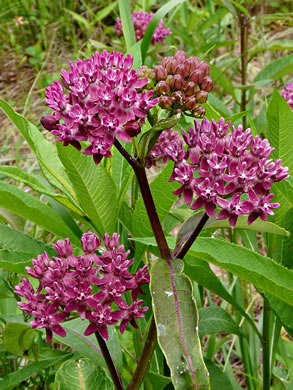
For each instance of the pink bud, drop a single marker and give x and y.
(177, 82)
(201, 96)
(180, 56)
(160, 72)
(181, 70)
(190, 102)
(191, 64)
(162, 88)
(90, 242)
(165, 61)
(190, 88)
(171, 66)
(49, 122)
(132, 128)
(197, 76)
(204, 67)
(207, 84)
(198, 112)
(165, 102)
(178, 97)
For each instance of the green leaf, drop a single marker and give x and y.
(94, 188)
(82, 375)
(176, 320)
(25, 205)
(211, 113)
(212, 223)
(79, 19)
(18, 241)
(149, 138)
(127, 23)
(104, 12)
(15, 261)
(13, 379)
(283, 249)
(44, 150)
(135, 52)
(219, 380)
(280, 129)
(157, 381)
(259, 270)
(221, 79)
(282, 310)
(214, 319)
(274, 45)
(18, 338)
(154, 23)
(34, 183)
(276, 69)
(13, 219)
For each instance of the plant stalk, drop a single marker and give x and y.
(111, 367)
(266, 369)
(182, 252)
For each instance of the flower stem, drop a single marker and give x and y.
(182, 252)
(244, 25)
(266, 369)
(145, 358)
(112, 369)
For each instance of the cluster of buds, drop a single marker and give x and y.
(89, 284)
(287, 94)
(182, 84)
(141, 21)
(229, 170)
(105, 101)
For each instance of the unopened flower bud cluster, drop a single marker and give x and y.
(216, 167)
(141, 21)
(104, 100)
(89, 284)
(182, 84)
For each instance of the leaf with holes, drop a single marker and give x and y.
(176, 320)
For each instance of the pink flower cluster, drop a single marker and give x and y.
(229, 170)
(105, 101)
(89, 284)
(287, 94)
(141, 21)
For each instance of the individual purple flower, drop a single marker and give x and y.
(141, 21)
(104, 95)
(287, 94)
(128, 315)
(99, 319)
(47, 316)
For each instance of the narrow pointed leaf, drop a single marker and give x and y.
(176, 319)
(93, 186)
(25, 205)
(82, 375)
(127, 23)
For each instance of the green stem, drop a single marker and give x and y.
(266, 347)
(244, 25)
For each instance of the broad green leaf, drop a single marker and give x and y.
(259, 270)
(25, 205)
(219, 380)
(83, 374)
(176, 320)
(34, 183)
(18, 338)
(160, 14)
(212, 223)
(276, 69)
(127, 23)
(280, 129)
(15, 261)
(162, 193)
(214, 319)
(94, 188)
(44, 150)
(12, 239)
(13, 379)
(286, 188)
(13, 219)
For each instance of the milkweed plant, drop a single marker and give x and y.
(139, 150)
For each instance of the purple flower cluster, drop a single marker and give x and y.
(105, 101)
(141, 21)
(230, 170)
(287, 94)
(89, 284)
(182, 83)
